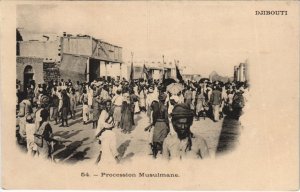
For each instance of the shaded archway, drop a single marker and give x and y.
(28, 76)
(94, 69)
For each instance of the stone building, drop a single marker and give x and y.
(241, 73)
(28, 68)
(191, 77)
(86, 58)
(156, 69)
(79, 58)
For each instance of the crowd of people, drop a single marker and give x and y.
(107, 104)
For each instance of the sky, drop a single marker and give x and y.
(203, 36)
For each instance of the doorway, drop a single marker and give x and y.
(94, 69)
(28, 77)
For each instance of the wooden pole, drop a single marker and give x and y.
(106, 70)
(88, 70)
(120, 71)
(131, 68)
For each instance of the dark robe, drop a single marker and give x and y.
(126, 119)
(65, 107)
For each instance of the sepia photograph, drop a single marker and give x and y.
(81, 98)
(159, 89)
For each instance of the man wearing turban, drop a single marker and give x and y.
(182, 144)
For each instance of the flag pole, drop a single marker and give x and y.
(131, 72)
(142, 74)
(163, 59)
(175, 68)
(178, 75)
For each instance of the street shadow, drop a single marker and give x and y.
(78, 110)
(78, 115)
(70, 149)
(75, 121)
(229, 135)
(127, 157)
(67, 134)
(123, 147)
(137, 119)
(59, 146)
(62, 134)
(79, 156)
(21, 142)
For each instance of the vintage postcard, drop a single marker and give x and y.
(150, 95)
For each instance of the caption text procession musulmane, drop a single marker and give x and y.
(103, 174)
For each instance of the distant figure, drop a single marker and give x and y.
(200, 104)
(96, 109)
(126, 118)
(54, 106)
(117, 104)
(65, 109)
(85, 106)
(142, 99)
(151, 96)
(73, 103)
(238, 102)
(134, 105)
(215, 100)
(90, 93)
(188, 96)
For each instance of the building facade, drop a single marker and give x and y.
(79, 58)
(156, 69)
(191, 77)
(91, 58)
(241, 72)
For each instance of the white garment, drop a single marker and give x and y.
(90, 97)
(172, 130)
(63, 87)
(142, 101)
(85, 112)
(151, 97)
(60, 104)
(114, 89)
(39, 99)
(126, 97)
(155, 90)
(22, 125)
(60, 100)
(30, 130)
(216, 112)
(181, 99)
(108, 147)
(101, 121)
(209, 93)
(38, 117)
(193, 95)
(136, 107)
(230, 98)
(224, 95)
(135, 89)
(117, 100)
